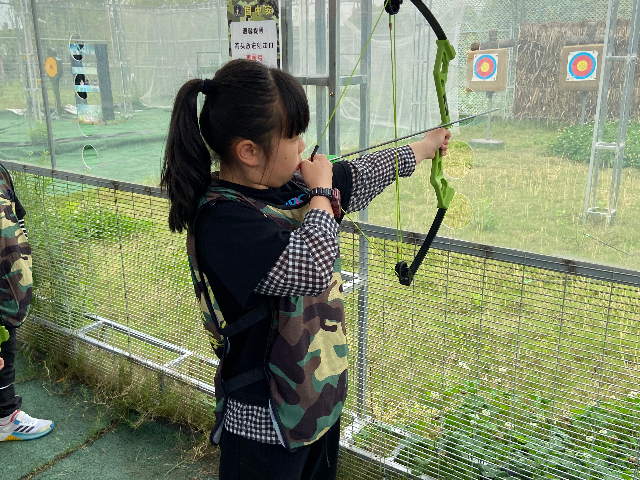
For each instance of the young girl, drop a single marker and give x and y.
(262, 239)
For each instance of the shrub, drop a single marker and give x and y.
(38, 134)
(489, 433)
(575, 144)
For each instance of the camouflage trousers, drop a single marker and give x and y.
(9, 401)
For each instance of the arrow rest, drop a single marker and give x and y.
(392, 7)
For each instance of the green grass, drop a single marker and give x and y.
(525, 199)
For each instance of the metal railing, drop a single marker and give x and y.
(496, 326)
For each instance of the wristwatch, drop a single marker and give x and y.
(333, 194)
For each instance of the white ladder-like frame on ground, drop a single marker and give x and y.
(598, 145)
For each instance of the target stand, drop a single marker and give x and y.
(580, 71)
(487, 72)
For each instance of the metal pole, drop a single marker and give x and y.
(321, 68)
(287, 36)
(584, 108)
(363, 215)
(27, 97)
(33, 89)
(601, 110)
(490, 97)
(43, 78)
(625, 104)
(334, 75)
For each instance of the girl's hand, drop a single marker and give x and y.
(317, 174)
(432, 141)
(1, 363)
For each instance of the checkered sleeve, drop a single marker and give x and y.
(374, 172)
(250, 421)
(306, 265)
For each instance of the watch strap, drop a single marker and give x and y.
(333, 194)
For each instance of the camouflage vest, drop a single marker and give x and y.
(307, 355)
(16, 282)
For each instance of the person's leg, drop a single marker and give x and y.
(244, 459)
(14, 423)
(9, 401)
(322, 462)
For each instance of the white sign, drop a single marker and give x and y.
(255, 41)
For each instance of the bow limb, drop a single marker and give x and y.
(444, 193)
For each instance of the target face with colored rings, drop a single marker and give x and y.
(485, 67)
(51, 66)
(582, 66)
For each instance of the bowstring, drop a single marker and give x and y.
(393, 80)
(394, 83)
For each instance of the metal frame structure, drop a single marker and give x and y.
(328, 86)
(27, 61)
(598, 145)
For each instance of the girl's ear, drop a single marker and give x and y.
(248, 153)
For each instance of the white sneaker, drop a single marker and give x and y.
(23, 427)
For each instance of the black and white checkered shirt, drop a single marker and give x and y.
(306, 265)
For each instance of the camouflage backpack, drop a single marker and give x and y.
(15, 258)
(307, 359)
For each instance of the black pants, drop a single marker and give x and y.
(243, 459)
(9, 401)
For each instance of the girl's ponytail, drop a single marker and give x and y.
(186, 171)
(245, 100)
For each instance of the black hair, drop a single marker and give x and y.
(245, 100)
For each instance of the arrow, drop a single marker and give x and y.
(444, 125)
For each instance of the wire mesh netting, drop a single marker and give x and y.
(485, 367)
(481, 369)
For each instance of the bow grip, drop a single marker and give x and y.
(4, 335)
(444, 192)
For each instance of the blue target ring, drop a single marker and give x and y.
(485, 67)
(582, 65)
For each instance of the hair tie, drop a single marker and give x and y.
(208, 86)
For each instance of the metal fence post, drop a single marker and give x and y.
(363, 216)
(334, 74)
(321, 68)
(43, 85)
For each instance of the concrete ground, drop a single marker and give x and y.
(90, 442)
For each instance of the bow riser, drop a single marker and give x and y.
(444, 55)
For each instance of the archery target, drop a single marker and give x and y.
(582, 66)
(485, 67)
(51, 66)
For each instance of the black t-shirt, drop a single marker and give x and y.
(236, 248)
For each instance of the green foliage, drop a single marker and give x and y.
(486, 218)
(100, 223)
(38, 135)
(575, 143)
(4, 335)
(490, 433)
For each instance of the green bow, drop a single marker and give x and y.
(444, 193)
